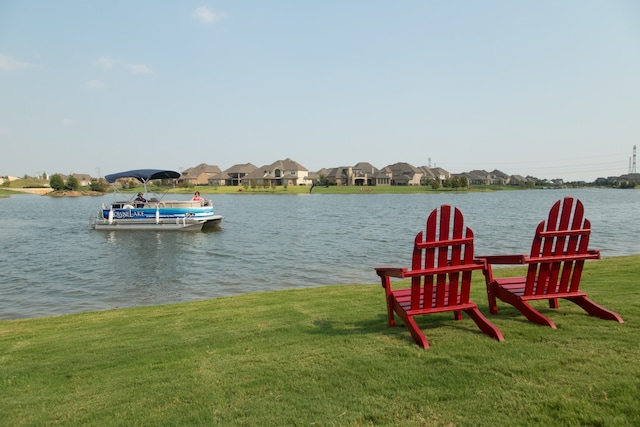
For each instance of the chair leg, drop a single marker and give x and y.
(491, 297)
(484, 324)
(595, 309)
(411, 325)
(553, 303)
(416, 333)
(532, 314)
(457, 315)
(392, 320)
(527, 310)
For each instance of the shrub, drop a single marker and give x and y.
(72, 183)
(98, 185)
(56, 182)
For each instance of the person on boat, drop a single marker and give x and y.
(196, 197)
(140, 198)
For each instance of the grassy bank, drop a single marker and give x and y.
(325, 356)
(345, 189)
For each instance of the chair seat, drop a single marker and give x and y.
(516, 286)
(403, 297)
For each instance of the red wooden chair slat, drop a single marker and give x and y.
(558, 252)
(441, 266)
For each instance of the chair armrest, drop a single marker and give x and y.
(391, 271)
(591, 254)
(503, 259)
(386, 273)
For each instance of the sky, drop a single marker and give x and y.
(546, 88)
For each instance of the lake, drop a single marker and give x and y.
(51, 262)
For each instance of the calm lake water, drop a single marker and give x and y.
(52, 263)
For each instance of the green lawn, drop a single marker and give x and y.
(341, 189)
(325, 356)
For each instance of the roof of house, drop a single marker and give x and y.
(241, 168)
(287, 165)
(499, 174)
(82, 176)
(323, 171)
(403, 167)
(365, 167)
(195, 172)
(427, 172)
(339, 172)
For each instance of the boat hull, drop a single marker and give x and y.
(163, 225)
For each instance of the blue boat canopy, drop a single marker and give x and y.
(143, 175)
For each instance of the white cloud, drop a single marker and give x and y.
(4, 131)
(68, 122)
(8, 63)
(105, 62)
(95, 84)
(206, 15)
(139, 68)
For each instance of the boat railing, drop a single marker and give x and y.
(186, 203)
(161, 204)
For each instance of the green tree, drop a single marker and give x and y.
(435, 184)
(56, 182)
(72, 183)
(323, 180)
(455, 182)
(98, 185)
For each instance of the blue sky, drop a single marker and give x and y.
(549, 88)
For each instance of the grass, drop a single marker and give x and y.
(303, 189)
(343, 189)
(325, 356)
(28, 182)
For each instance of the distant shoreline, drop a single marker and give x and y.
(291, 190)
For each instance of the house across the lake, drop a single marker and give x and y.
(289, 172)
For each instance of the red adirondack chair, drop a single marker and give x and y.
(440, 275)
(558, 253)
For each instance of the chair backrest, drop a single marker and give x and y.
(559, 249)
(444, 255)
